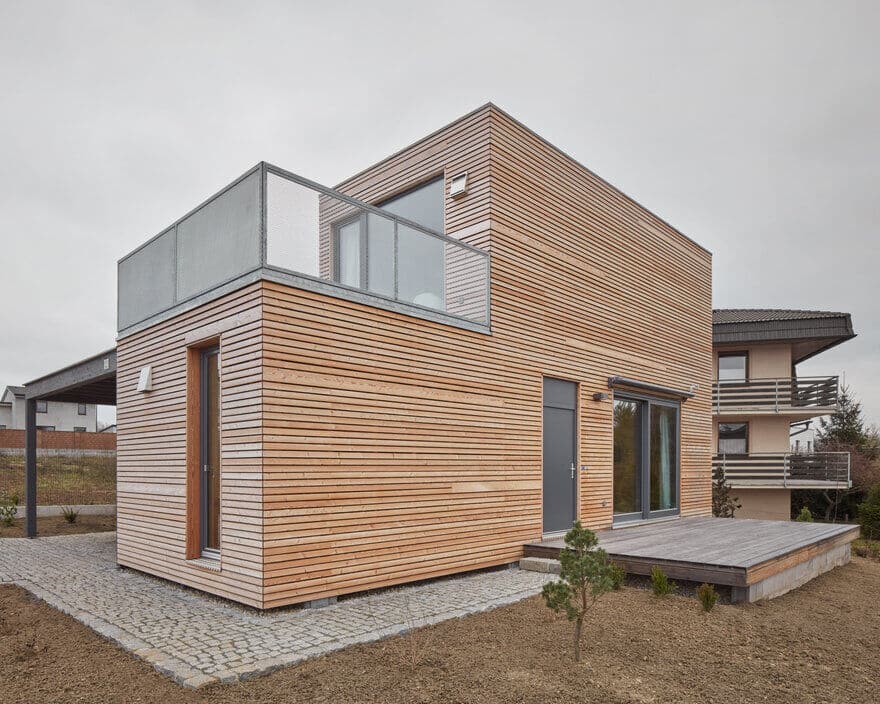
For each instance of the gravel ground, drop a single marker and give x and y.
(817, 644)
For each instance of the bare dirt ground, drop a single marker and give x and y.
(56, 525)
(817, 644)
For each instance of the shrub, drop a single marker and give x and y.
(70, 514)
(8, 507)
(869, 514)
(805, 516)
(585, 576)
(708, 596)
(617, 574)
(660, 583)
(723, 504)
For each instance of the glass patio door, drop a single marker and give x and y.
(646, 458)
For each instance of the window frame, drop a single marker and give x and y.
(748, 438)
(646, 514)
(82, 409)
(42, 406)
(746, 370)
(361, 219)
(80, 429)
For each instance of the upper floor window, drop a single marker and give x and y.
(81, 409)
(733, 438)
(733, 366)
(42, 406)
(368, 247)
(422, 204)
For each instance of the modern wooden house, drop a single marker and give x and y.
(759, 402)
(453, 353)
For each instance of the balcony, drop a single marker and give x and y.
(809, 396)
(793, 470)
(273, 225)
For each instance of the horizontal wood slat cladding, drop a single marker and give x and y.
(398, 449)
(364, 448)
(152, 448)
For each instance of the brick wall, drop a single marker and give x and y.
(60, 440)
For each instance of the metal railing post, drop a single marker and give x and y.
(785, 460)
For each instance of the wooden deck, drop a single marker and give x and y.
(757, 559)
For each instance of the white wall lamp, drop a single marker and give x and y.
(458, 185)
(145, 380)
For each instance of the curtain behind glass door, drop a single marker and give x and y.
(627, 456)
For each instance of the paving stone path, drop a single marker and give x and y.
(197, 639)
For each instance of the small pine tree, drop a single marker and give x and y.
(660, 583)
(586, 575)
(707, 595)
(846, 426)
(723, 504)
(805, 516)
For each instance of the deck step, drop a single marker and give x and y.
(540, 564)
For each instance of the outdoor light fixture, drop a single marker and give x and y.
(458, 185)
(600, 396)
(145, 381)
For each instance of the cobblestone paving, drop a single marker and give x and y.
(197, 639)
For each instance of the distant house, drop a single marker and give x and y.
(51, 415)
(760, 403)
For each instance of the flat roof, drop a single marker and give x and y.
(91, 380)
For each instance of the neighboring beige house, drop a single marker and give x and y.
(51, 415)
(759, 402)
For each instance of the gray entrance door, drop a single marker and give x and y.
(560, 441)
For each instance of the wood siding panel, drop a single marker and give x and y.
(152, 448)
(398, 449)
(364, 448)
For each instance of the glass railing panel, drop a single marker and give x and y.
(313, 232)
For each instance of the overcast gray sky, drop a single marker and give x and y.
(752, 127)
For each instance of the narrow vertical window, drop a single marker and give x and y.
(210, 451)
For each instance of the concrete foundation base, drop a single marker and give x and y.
(319, 603)
(793, 577)
(83, 510)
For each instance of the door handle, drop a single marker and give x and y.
(572, 470)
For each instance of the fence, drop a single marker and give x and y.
(64, 478)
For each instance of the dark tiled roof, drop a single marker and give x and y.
(723, 316)
(809, 331)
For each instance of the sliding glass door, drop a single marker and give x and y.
(646, 458)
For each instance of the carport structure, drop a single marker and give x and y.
(92, 380)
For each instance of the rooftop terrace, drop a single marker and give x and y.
(274, 225)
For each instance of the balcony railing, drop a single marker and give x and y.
(275, 225)
(806, 393)
(786, 469)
